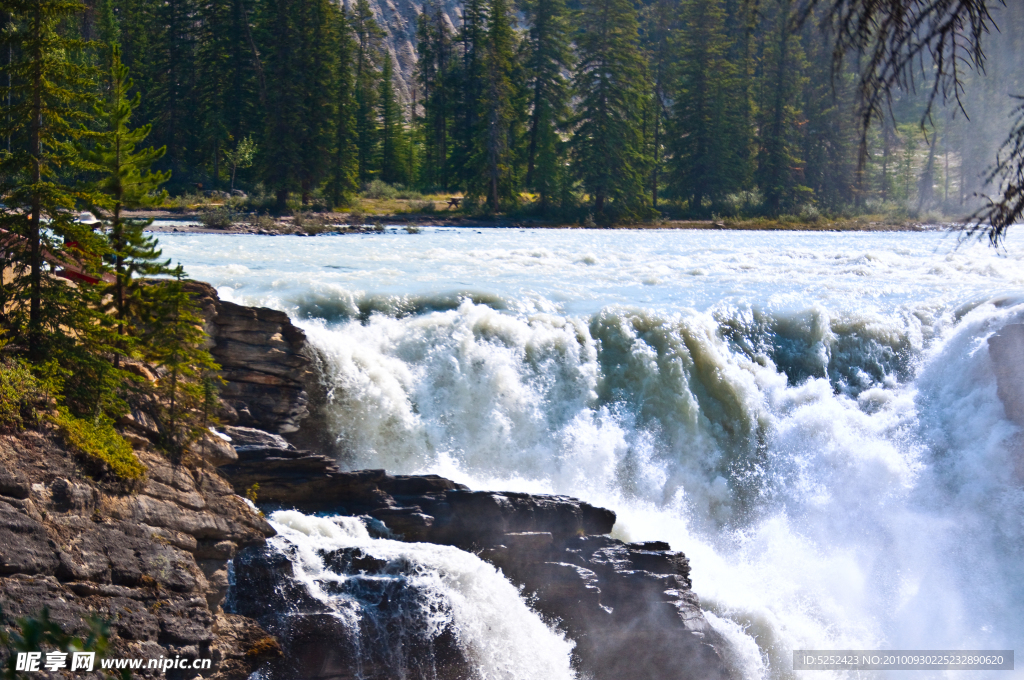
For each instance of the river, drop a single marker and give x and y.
(811, 417)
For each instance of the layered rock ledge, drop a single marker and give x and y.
(153, 562)
(628, 606)
(263, 362)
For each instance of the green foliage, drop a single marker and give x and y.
(380, 189)
(779, 167)
(221, 217)
(367, 62)
(611, 79)
(708, 125)
(435, 70)
(49, 92)
(344, 166)
(98, 438)
(491, 166)
(38, 634)
(175, 345)
(549, 57)
(242, 157)
(21, 395)
(393, 142)
(126, 181)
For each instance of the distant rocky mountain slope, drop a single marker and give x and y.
(398, 18)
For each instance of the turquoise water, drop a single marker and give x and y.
(811, 417)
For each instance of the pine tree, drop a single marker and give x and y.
(830, 137)
(173, 91)
(126, 182)
(434, 73)
(282, 156)
(392, 129)
(549, 57)
(367, 59)
(468, 83)
(708, 119)
(779, 167)
(344, 168)
(492, 158)
(611, 83)
(226, 81)
(318, 65)
(175, 345)
(49, 94)
(661, 23)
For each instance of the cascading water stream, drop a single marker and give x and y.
(815, 423)
(403, 611)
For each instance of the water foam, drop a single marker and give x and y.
(501, 636)
(814, 517)
(812, 418)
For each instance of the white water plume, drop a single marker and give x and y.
(814, 517)
(812, 418)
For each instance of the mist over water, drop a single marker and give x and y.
(812, 418)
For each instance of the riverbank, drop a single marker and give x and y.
(312, 224)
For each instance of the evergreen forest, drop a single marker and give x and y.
(590, 112)
(604, 110)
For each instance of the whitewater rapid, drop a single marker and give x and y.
(812, 418)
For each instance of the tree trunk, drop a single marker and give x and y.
(35, 216)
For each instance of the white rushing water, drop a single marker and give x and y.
(501, 637)
(812, 418)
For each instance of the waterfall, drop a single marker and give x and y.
(343, 602)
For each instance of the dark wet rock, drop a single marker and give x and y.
(628, 606)
(383, 642)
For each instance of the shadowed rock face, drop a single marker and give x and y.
(379, 641)
(629, 607)
(263, 361)
(153, 562)
(1007, 351)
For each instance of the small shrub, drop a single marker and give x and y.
(313, 223)
(809, 214)
(379, 189)
(265, 222)
(357, 218)
(98, 439)
(184, 201)
(407, 194)
(20, 393)
(410, 229)
(421, 207)
(379, 228)
(218, 218)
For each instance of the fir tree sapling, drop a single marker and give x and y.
(242, 157)
(188, 372)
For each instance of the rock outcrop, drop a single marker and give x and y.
(612, 598)
(1006, 349)
(152, 562)
(263, 361)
